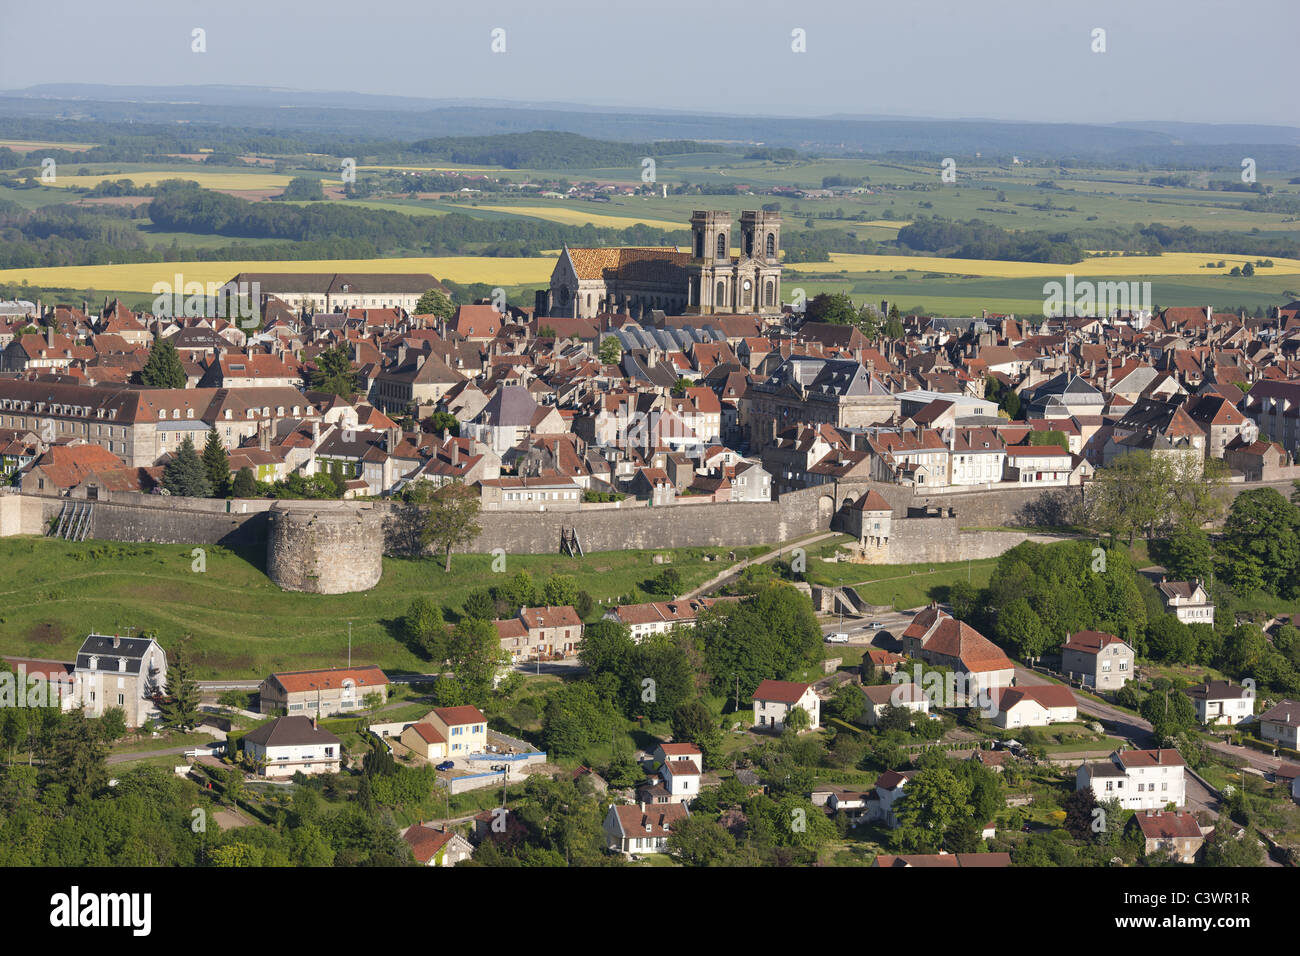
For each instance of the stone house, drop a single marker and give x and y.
(1187, 600)
(322, 693)
(1173, 832)
(435, 846)
(125, 672)
(1098, 659)
(639, 828)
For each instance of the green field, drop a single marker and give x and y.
(53, 593)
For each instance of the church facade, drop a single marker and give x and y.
(707, 280)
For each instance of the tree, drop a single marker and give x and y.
(693, 723)
(179, 705)
(1188, 554)
(668, 582)
(479, 604)
(245, 484)
(836, 308)
(445, 422)
(848, 704)
(797, 720)
(424, 629)
(1261, 543)
(697, 841)
(934, 801)
(1168, 711)
(610, 350)
(185, 474)
(474, 654)
(334, 373)
(451, 519)
(163, 368)
(303, 188)
(1224, 848)
(112, 724)
(216, 463)
(434, 302)
(74, 755)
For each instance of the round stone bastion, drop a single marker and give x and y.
(324, 547)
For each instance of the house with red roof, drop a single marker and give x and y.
(322, 693)
(774, 699)
(1171, 832)
(939, 638)
(436, 846)
(642, 828)
(464, 728)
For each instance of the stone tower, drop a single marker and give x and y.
(709, 272)
(760, 243)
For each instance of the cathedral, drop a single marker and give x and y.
(708, 280)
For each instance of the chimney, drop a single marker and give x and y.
(49, 335)
(264, 436)
(117, 641)
(455, 453)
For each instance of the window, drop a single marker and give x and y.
(722, 245)
(771, 247)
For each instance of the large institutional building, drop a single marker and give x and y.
(708, 280)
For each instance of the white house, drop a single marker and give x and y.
(1187, 600)
(639, 828)
(1281, 724)
(1138, 779)
(773, 699)
(1034, 706)
(1221, 702)
(882, 696)
(290, 745)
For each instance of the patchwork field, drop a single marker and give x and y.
(580, 217)
(209, 180)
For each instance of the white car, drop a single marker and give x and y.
(839, 637)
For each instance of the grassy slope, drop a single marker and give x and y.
(52, 593)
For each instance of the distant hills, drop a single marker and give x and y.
(381, 117)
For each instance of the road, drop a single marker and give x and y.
(722, 577)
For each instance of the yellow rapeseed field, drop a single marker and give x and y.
(1171, 263)
(580, 217)
(208, 180)
(27, 145)
(141, 276)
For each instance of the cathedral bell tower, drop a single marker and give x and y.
(709, 272)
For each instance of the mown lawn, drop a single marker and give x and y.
(900, 585)
(53, 593)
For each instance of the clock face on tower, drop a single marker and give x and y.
(746, 286)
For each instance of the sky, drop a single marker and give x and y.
(1214, 61)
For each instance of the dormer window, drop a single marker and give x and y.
(94, 663)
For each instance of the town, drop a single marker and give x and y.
(510, 466)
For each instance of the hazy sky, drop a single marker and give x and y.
(1226, 61)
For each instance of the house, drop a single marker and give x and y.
(960, 860)
(435, 846)
(880, 697)
(1173, 832)
(881, 660)
(938, 638)
(666, 752)
(773, 699)
(889, 790)
(1097, 659)
(1221, 702)
(1034, 706)
(1281, 724)
(1187, 600)
(658, 617)
(322, 693)
(639, 828)
(425, 741)
(125, 672)
(678, 781)
(1138, 779)
(289, 745)
(464, 729)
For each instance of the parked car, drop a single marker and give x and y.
(875, 625)
(839, 637)
(445, 765)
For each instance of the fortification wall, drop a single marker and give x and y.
(325, 547)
